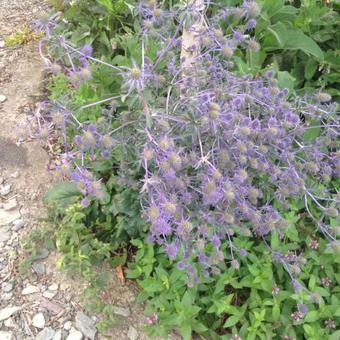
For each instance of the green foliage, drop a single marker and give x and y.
(95, 22)
(21, 37)
(34, 244)
(301, 37)
(242, 301)
(300, 40)
(88, 235)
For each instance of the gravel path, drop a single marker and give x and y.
(45, 304)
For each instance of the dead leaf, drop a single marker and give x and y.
(120, 275)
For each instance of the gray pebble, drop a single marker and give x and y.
(18, 224)
(121, 311)
(7, 287)
(132, 333)
(46, 334)
(39, 268)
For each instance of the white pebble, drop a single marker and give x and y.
(38, 320)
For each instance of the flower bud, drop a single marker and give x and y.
(323, 97)
(331, 212)
(235, 264)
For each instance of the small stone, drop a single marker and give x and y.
(18, 224)
(2, 43)
(9, 323)
(7, 312)
(6, 296)
(2, 98)
(121, 311)
(5, 189)
(57, 335)
(5, 235)
(7, 287)
(74, 335)
(39, 268)
(43, 253)
(49, 295)
(86, 325)
(6, 335)
(38, 320)
(15, 174)
(53, 287)
(30, 290)
(46, 334)
(132, 333)
(7, 217)
(10, 204)
(68, 325)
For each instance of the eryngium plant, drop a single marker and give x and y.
(223, 154)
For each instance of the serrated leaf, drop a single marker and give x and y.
(62, 194)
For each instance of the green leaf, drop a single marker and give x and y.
(186, 331)
(310, 68)
(232, 320)
(276, 36)
(286, 80)
(276, 312)
(297, 40)
(335, 335)
(312, 316)
(108, 4)
(275, 240)
(286, 13)
(62, 194)
(312, 133)
(118, 260)
(292, 233)
(309, 330)
(272, 7)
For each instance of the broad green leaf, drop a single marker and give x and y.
(285, 14)
(335, 335)
(312, 133)
(312, 316)
(309, 330)
(272, 7)
(297, 40)
(286, 80)
(275, 36)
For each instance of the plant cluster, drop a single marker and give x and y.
(235, 176)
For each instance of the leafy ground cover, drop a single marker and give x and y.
(191, 156)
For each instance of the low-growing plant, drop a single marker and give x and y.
(21, 37)
(254, 301)
(94, 22)
(300, 38)
(233, 173)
